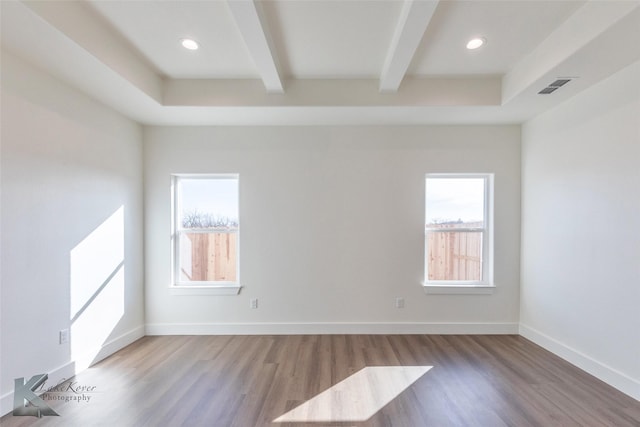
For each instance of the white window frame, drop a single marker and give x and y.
(179, 287)
(486, 284)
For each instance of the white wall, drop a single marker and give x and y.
(581, 230)
(332, 224)
(71, 228)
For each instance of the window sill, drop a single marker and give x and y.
(437, 289)
(205, 290)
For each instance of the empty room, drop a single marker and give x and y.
(320, 213)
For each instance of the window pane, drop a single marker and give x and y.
(455, 202)
(454, 255)
(210, 257)
(209, 203)
(207, 229)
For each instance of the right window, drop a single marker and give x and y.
(458, 232)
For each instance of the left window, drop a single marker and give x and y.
(206, 230)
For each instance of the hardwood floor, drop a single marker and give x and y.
(249, 381)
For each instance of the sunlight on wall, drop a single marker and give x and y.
(358, 397)
(97, 288)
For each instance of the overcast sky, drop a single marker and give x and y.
(450, 199)
(213, 196)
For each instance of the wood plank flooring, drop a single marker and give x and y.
(249, 381)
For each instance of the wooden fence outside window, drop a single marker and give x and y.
(454, 255)
(209, 257)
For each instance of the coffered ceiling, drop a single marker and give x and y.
(320, 62)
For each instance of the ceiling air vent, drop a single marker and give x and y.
(554, 86)
(547, 90)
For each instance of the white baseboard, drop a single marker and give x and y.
(74, 367)
(614, 378)
(108, 348)
(330, 328)
(120, 342)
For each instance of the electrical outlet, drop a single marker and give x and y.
(399, 302)
(253, 303)
(64, 336)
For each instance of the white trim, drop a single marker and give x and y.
(120, 342)
(327, 328)
(457, 289)
(609, 375)
(108, 348)
(74, 367)
(205, 290)
(208, 230)
(224, 175)
(455, 230)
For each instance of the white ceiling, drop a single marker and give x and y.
(325, 61)
(155, 28)
(513, 29)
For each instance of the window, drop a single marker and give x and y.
(206, 226)
(458, 236)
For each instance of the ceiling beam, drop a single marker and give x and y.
(256, 38)
(413, 22)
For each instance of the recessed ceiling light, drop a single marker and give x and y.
(476, 43)
(189, 44)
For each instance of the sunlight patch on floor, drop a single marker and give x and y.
(358, 397)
